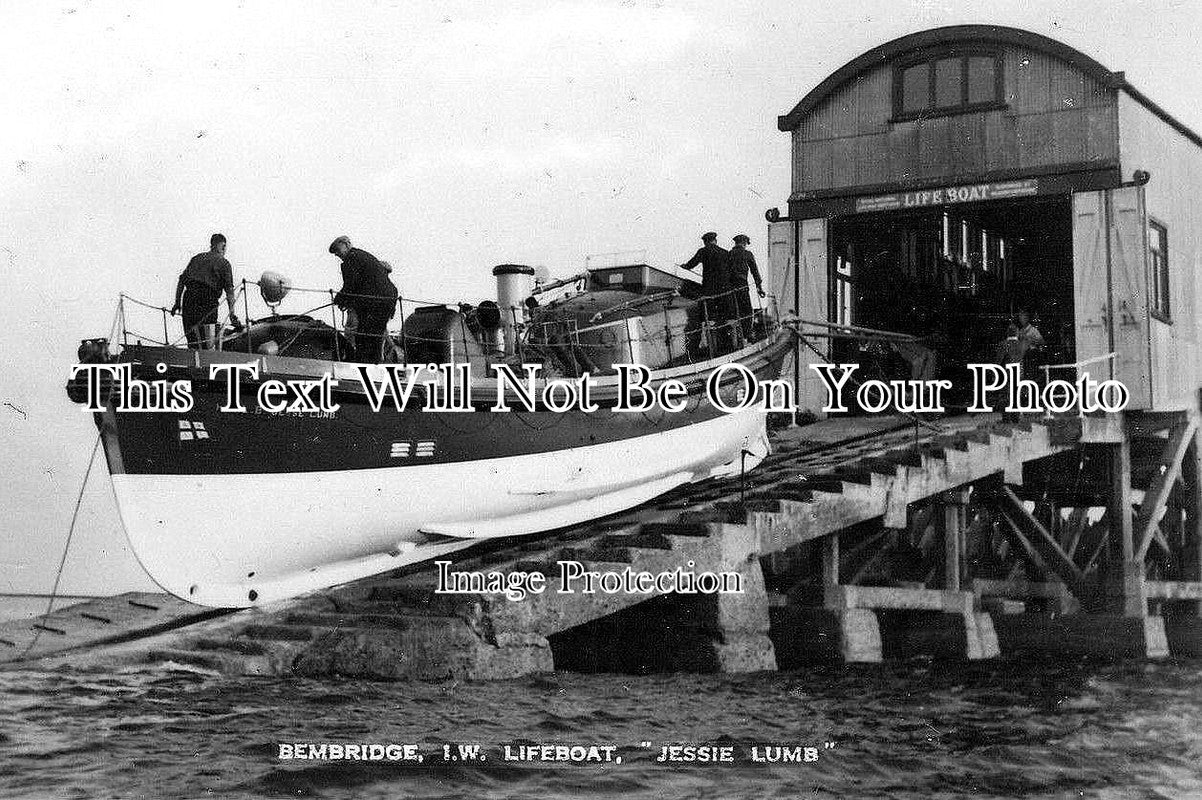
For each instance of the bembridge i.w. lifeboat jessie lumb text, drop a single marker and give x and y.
(392, 387)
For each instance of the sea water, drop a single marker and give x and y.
(914, 729)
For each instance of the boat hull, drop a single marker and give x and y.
(238, 509)
(232, 540)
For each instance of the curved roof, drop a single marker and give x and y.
(952, 34)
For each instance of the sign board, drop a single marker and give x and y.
(970, 193)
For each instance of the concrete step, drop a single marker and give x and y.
(830, 484)
(635, 541)
(905, 456)
(608, 555)
(279, 633)
(371, 617)
(675, 529)
(249, 647)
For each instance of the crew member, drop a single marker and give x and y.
(713, 260)
(1032, 341)
(198, 291)
(1030, 335)
(1012, 348)
(740, 262)
(369, 293)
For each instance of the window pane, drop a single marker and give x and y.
(982, 79)
(916, 87)
(948, 79)
(1158, 245)
(1156, 237)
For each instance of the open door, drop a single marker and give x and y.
(1091, 281)
(1110, 288)
(813, 304)
(1129, 292)
(780, 282)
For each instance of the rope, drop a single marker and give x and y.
(37, 632)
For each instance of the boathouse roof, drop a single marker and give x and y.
(974, 34)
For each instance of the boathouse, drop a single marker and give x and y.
(948, 179)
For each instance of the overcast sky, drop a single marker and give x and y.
(443, 137)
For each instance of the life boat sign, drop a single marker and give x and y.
(970, 193)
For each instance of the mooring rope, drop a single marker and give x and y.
(37, 631)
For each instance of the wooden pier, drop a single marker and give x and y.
(960, 542)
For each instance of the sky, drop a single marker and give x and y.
(444, 137)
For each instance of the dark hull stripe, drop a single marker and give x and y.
(208, 441)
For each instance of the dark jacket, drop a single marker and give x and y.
(713, 260)
(210, 269)
(365, 283)
(741, 262)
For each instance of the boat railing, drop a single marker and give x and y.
(716, 330)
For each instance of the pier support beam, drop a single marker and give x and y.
(725, 632)
(1183, 624)
(807, 635)
(1123, 590)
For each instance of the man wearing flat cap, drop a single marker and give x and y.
(369, 293)
(712, 259)
(741, 261)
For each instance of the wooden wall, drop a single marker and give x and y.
(1056, 114)
(1172, 199)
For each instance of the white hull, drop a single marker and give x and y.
(248, 539)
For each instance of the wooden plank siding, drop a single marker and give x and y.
(1056, 114)
(1173, 200)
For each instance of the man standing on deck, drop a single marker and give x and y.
(370, 293)
(198, 291)
(714, 266)
(741, 262)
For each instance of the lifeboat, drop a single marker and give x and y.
(235, 509)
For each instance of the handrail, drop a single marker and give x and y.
(1047, 368)
(853, 329)
(1079, 364)
(707, 327)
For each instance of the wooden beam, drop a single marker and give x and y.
(1152, 509)
(1025, 545)
(1048, 548)
(1191, 540)
(848, 556)
(1175, 590)
(889, 597)
(830, 560)
(1078, 518)
(953, 504)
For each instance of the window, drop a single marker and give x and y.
(949, 73)
(1158, 250)
(916, 87)
(947, 83)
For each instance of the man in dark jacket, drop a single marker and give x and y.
(198, 291)
(714, 283)
(712, 259)
(370, 293)
(741, 261)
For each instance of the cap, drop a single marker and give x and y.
(705, 237)
(742, 238)
(340, 240)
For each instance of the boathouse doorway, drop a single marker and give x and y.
(955, 276)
